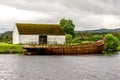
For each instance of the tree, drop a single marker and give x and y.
(111, 42)
(6, 37)
(62, 22)
(68, 26)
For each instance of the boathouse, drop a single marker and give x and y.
(38, 34)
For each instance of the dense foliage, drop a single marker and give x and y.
(6, 37)
(68, 38)
(67, 26)
(111, 42)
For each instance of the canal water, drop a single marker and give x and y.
(83, 67)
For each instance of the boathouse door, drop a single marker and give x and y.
(42, 39)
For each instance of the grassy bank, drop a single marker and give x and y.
(10, 48)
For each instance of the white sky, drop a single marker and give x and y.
(86, 14)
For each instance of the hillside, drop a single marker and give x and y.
(100, 30)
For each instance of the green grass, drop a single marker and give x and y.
(12, 48)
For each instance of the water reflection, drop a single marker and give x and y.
(83, 67)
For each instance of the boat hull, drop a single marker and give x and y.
(96, 47)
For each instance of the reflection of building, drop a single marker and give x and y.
(38, 34)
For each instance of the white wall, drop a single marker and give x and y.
(29, 39)
(34, 39)
(15, 36)
(56, 39)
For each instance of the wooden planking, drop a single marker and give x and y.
(69, 50)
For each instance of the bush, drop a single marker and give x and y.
(111, 42)
(96, 38)
(68, 38)
(76, 40)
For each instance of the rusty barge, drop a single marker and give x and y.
(89, 48)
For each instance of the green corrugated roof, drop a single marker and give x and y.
(41, 29)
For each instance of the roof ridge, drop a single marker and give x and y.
(34, 24)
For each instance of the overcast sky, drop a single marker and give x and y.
(86, 14)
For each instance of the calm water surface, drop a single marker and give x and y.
(85, 67)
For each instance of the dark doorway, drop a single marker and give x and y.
(42, 39)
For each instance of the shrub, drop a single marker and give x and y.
(68, 38)
(96, 37)
(76, 40)
(111, 42)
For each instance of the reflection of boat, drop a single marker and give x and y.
(94, 47)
